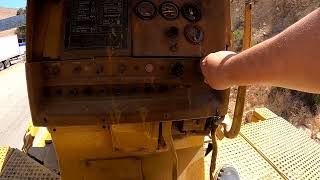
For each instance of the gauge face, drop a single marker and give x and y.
(146, 10)
(169, 11)
(193, 34)
(191, 12)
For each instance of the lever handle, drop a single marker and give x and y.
(232, 129)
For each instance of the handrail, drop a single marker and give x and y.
(234, 129)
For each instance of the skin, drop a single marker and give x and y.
(290, 60)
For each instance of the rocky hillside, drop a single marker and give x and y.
(270, 17)
(5, 13)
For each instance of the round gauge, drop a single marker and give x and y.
(194, 34)
(146, 10)
(169, 10)
(191, 12)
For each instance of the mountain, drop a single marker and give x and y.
(7, 12)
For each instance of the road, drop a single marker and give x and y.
(14, 106)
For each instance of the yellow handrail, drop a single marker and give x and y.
(234, 130)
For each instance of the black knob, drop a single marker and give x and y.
(172, 32)
(177, 70)
(88, 91)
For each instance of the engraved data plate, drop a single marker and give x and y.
(92, 24)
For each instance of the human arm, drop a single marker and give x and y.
(290, 59)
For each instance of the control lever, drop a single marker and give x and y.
(232, 129)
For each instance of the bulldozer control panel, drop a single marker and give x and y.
(123, 61)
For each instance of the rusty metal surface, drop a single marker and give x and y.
(19, 167)
(90, 83)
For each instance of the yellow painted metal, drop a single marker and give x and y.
(188, 142)
(270, 149)
(214, 153)
(248, 162)
(233, 129)
(135, 137)
(128, 168)
(220, 130)
(153, 167)
(29, 136)
(191, 165)
(167, 136)
(19, 166)
(27, 142)
(78, 146)
(35, 137)
(32, 129)
(289, 149)
(262, 114)
(5, 153)
(41, 137)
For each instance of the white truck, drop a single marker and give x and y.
(10, 51)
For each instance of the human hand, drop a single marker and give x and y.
(213, 71)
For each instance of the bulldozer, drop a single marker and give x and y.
(116, 92)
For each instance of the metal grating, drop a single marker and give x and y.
(4, 155)
(264, 113)
(20, 167)
(248, 162)
(288, 148)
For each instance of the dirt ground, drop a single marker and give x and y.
(271, 17)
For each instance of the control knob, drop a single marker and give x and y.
(177, 70)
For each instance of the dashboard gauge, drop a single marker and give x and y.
(169, 10)
(194, 34)
(146, 10)
(191, 12)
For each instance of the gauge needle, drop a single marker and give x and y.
(191, 14)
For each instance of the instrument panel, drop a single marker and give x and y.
(123, 61)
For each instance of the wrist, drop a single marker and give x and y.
(227, 72)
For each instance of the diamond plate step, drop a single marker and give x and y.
(19, 166)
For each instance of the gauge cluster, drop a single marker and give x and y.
(191, 12)
(177, 28)
(169, 10)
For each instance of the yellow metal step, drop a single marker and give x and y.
(271, 149)
(293, 153)
(248, 162)
(18, 166)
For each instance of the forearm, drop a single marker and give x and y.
(291, 59)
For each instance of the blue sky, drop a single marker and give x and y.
(13, 3)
